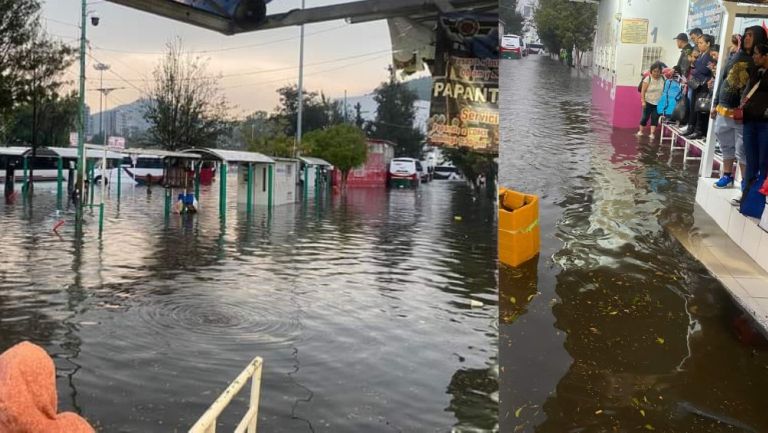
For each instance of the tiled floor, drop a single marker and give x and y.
(732, 247)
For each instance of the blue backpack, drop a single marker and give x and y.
(672, 93)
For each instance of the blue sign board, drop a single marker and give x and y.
(706, 15)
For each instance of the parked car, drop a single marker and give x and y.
(511, 47)
(404, 172)
(536, 48)
(446, 172)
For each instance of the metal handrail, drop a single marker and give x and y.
(207, 422)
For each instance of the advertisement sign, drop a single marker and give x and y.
(634, 31)
(464, 111)
(116, 142)
(706, 15)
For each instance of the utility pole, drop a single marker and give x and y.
(300, 120)
(81, 122)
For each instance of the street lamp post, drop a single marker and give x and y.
(299, 121)
(81, 122)
(101, 67)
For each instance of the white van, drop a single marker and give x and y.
(404, 172)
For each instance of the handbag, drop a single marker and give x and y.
(752, 201)
(694, 83)
(703, 105)
(681, 110)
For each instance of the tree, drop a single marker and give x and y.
(56, 116)
(19, 25)
(185, 107)
(513, 20)
(359, 121)
(564, 24)
(32, 66)
(318, 111)
(395, 119)
(343, 145)
(472, 164)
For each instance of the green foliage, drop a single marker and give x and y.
(513, 20)
(51, 121)
(319, 111)
(344, 146)
(394, 119)
(564, 24)
(31, 72)
(472, 164)
(186, 107)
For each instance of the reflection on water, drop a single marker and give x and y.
(615, 327)
(358, 304)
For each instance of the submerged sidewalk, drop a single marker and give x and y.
(745, 280)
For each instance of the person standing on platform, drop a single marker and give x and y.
(732, 85)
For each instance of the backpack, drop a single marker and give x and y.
(670, 96)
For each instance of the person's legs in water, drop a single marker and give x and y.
(644, 119)
(654, 119)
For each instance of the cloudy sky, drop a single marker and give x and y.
(338, 56)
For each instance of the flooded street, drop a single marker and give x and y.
(360, 307)
(615, 328)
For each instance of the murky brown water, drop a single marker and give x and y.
(359, 307)
(615, 328)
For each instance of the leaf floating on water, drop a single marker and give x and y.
(598, 412)
(613, 313)
(518, 411)
(649, 427)
(642, 412)
(513, 300)
(635, 401)
(530, 297)
(659, 340)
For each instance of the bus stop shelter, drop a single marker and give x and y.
(251, 188)
(315, 174)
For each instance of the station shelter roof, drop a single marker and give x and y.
(315, 161)
(231, 155)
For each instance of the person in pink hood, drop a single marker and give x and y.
(28, 400)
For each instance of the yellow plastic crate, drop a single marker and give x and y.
(519, 231)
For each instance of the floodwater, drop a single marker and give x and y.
(360, 307)
(615, 327)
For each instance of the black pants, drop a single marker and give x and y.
(699, 121)
(649, 113)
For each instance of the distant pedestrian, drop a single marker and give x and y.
(650, 93)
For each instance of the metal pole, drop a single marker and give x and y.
(101, 205)
(81, 123)
(317, 182)
(25, 184)
(91, 176)
(300, 101)
(60, 181)
(119, 176)
(250, 187)
(198, 166)
(306, 181)
(223, 190)
(269, 188)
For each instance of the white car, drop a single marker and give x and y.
(404, 172)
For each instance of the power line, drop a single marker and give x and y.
(265, 71)
(219, 50)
